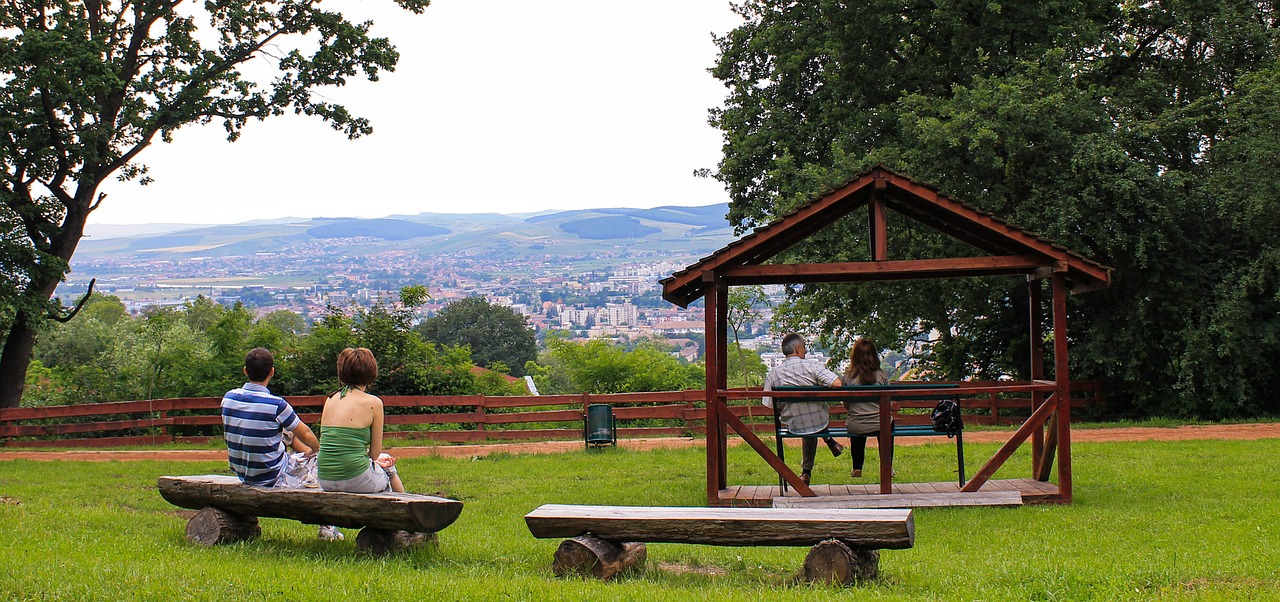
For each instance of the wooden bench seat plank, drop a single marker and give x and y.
(905, 500)
(390, 511)
(871, 529)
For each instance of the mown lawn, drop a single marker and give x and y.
(1176, 520)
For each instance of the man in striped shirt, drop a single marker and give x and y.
(258, 425)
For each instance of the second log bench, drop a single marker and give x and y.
(229, 511)
(608, 540)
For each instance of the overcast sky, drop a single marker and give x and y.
(505, 106)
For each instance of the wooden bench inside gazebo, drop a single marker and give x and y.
(1002, 250)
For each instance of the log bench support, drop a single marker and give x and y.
(211, 527)
(608, 541)
(591, 556)
(229, 511)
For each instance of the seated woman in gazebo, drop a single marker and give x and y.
(863, 417)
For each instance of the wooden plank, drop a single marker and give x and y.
(999, 485)
(883, 270)
(574, 415)
(1004, 499)
(406, 511)
(929, 488)
(893, 529)
(81, 427)
(88, 409)
(413, 418)
(664, 412)
(95, 442)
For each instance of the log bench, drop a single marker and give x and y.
(229, 511)
(609, 540)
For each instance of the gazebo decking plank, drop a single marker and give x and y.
(761, 496)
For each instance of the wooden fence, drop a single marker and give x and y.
(467, 418)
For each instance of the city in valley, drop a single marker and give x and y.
(591, 273)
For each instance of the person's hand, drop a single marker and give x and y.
(385, 461)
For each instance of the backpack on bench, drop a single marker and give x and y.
(946, 418)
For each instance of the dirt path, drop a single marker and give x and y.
(1229, 431)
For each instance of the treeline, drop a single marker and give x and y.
(197, 350)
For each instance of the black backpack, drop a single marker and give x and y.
(946, 418)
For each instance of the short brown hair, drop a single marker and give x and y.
(357, 367)
(258, 364)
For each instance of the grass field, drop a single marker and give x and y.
(1175, 520)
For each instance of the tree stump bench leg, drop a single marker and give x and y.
(833, 561)
(599, 558)
(381, 542)
(212, 526)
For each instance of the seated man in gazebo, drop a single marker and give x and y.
(803, 417)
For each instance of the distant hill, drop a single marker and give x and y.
(385, 229)
(608, 226)
(666, 230)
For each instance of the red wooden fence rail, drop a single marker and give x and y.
(461, 418)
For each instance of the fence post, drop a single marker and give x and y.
(586, 403)
(484, 417)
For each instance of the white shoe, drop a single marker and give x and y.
(329, 533)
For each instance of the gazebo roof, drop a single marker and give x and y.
(1011, 249)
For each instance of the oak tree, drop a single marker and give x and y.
(1138, 134)
(86, 86)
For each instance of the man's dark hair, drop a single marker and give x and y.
(791, 344)
(258, 364)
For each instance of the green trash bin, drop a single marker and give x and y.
(599, 427)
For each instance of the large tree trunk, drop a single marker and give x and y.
(15, 360)
(21, 339)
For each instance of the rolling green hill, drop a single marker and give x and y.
(668, 230)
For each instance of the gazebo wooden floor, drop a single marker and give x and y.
(761, 496)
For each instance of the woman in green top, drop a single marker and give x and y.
(351, 457)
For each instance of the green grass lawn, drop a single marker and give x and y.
(1177, 520)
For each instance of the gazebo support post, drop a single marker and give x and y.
(877, 224)
(1039, 467)
(715, 435)
(1063, 380)
(722, 376)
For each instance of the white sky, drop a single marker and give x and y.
(505, 106)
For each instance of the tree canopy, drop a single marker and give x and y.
(599, 366)
(495, 334)
(86, 87)
(197, 350)
(1141, 135)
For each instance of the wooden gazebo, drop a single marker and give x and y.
(1005, 251)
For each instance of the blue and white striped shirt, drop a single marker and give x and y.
(252, 420)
